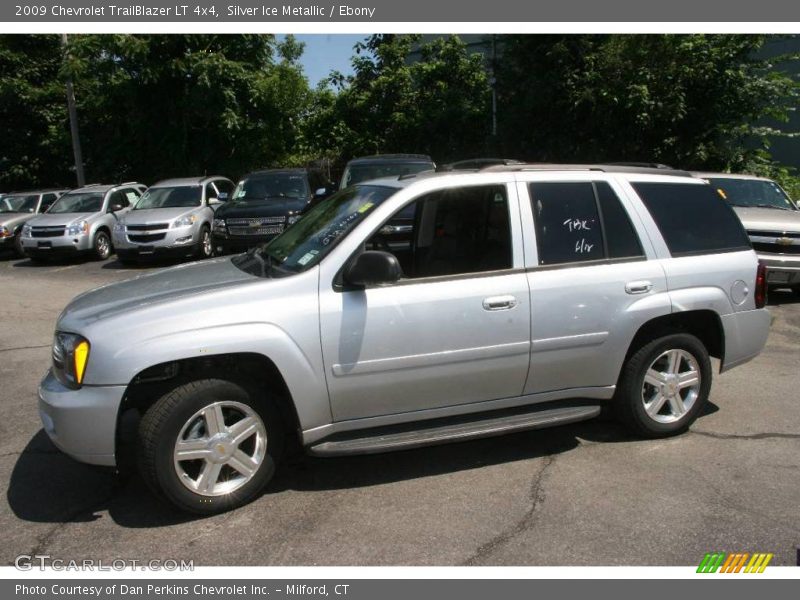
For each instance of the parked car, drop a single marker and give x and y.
(530, 297)
(80, 222)
(772, 221)
(172, 219)
(17, 208)
(384, 165)
(264, 203)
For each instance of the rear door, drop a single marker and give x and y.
(593, 280)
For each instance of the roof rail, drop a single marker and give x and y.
(603, 168)
(130, 183)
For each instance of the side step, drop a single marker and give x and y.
(441, 431)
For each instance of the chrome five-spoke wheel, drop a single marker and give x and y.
(220, 448)
(671, 386)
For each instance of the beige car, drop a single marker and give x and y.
(772, 221)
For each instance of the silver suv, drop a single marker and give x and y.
(771, 219)
(80, 222)
(526, 297)
(18, 208)
(172, 218)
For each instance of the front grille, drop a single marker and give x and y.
(151, 227)
(270, 230)
(776, 248)
(147, 238)
(45, 232)
(256, 221)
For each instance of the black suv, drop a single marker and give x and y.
(264, 204)
(384, 165)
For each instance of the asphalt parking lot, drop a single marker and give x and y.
(587, 494)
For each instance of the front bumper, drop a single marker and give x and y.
(81, 423)
(181, 239)
(224, 243)
(63, 245)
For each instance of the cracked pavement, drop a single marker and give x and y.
(586, 494)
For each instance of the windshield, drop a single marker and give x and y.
(307, 242)
(358, 173)
(271, 187)
(171, 197)
(79, 202)
(752, 193)
(19, 204)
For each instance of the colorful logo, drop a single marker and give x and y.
(734, 562)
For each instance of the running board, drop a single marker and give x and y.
(387, 439)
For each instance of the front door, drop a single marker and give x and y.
(454, 330)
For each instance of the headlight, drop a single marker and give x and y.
(184, 221)
(26, 230)
(4, 231)
(70, 356)
(119, 227)
(219, 223)
(81, 228)
(293, 219)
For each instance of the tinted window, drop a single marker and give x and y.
(567, 222)
(455, 231)
(272, 186)
(47, 201)
(621, 238)
(224, 188)
(211, 191)
(692, 218)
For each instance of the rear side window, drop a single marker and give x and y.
(581, 221)
(692, 218)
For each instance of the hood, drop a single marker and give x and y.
(150, 216)
(768, 219)
(274, 207)
(161, 286)
(48, 220)
(14, 220)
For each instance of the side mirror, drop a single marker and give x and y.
(115, 207)
(214, 201)
(373, 267)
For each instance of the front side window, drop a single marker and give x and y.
(454, 231)
(170, 197)
(47, 202)
(581, 221)
(22, 203)
(752, 193)
(694, 219)
(78, 202)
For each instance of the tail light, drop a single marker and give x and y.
(761, 286)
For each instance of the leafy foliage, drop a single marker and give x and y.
(687, 100)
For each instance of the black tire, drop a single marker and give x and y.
(18, 250)
(164, 422)
(629, 399)
(101, 245)
(205, 248)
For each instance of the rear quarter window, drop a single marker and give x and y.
(693, 219)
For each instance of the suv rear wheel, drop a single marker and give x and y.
(209, 446)
(664, 386)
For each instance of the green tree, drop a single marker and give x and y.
(36, 146)
(687, 100)
(437, 102)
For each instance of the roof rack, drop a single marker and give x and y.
(603, 168)
(91, 184)
(129, 183)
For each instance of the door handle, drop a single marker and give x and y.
(499, 302)
(638, 287)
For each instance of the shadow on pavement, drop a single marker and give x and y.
(47, 486)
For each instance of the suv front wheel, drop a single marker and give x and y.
(101, 245)
(209, 446)
(664, 386)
